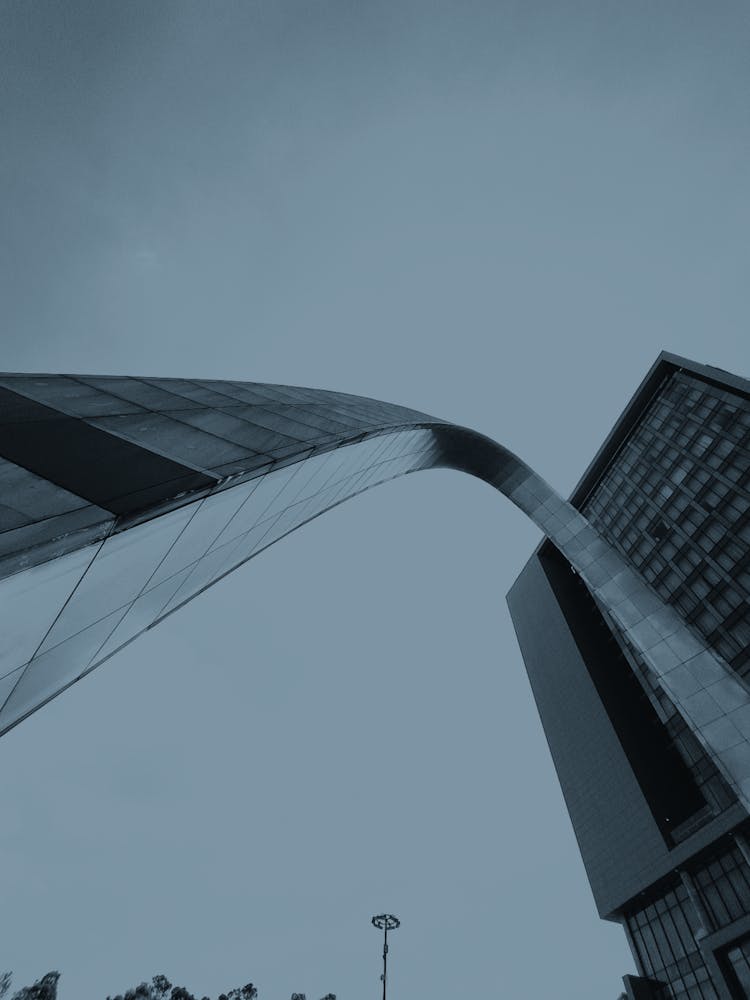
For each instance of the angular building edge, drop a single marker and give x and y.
(679, 883)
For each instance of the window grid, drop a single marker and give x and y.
(675, 502)
(737, 958)
(663, 928)
(664, 936)
(724, 886)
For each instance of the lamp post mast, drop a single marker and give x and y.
(385, 922)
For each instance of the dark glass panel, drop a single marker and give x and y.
(33, 495)
(150, 397)
(108, 471)
(263, 418)
(10, 517)
(326, 423)
(237, 393)
(193, 391)
(228, 428)
(70, 395)
(180, 441)
(263, 439)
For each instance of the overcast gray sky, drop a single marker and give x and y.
(494, 212)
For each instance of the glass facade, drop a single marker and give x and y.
(664, 934)
(675, 502)
(61, 618)
(667, 931)
(723, 883)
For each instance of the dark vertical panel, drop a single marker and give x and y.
(667, 783)
(615, 829)
(106, 470)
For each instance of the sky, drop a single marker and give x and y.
(495, 212)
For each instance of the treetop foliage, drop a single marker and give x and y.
(159, 988)
(44, 989)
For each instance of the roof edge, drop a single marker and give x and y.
(666, 363)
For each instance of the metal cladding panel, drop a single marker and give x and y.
(616, 833)
(83, 455)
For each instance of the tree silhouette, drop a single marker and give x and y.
(44, 989)
(159, 988)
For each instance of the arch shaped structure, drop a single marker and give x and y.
(123, 498)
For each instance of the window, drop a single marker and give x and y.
(724, 885)
(736, 962)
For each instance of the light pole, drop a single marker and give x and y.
(385, 922)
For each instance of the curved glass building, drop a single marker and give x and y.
(123, 498)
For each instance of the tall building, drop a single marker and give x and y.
(123, 498)
(663, 834)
